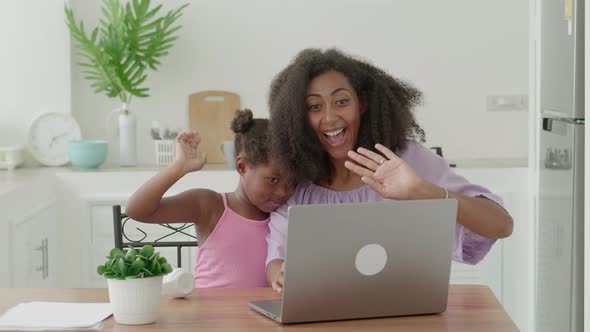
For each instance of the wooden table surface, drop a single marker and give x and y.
(470, 308)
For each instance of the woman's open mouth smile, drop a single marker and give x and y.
(335, 137)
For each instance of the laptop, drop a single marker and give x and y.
(365, 260)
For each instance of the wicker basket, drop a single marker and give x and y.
(165, 151)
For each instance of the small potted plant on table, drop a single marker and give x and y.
(135, 283)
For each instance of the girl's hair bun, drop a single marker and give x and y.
(242, 121)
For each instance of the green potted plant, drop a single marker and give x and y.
(135, 283)
(129, 40)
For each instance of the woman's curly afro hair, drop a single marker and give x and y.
(389, 119)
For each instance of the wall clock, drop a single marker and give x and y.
(49, 135)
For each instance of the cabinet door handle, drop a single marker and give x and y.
(46, 263)
(44, 268)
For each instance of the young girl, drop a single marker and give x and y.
(231, 227)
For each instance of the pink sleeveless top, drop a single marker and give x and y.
(234, 255)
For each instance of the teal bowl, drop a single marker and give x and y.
(87, 155)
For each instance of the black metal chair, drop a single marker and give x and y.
(122, 240)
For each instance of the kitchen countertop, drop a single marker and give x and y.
(139, 168)
(10, 180)
(490, 163)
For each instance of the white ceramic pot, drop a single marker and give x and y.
(127, 139)
(135, 301)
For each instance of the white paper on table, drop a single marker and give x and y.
(36, 316)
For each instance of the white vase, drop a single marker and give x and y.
(127, 139)
(135, 301)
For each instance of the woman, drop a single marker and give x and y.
(347, 132)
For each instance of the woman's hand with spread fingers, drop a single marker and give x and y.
(390, 176)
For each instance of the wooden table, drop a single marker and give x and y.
(470, 308)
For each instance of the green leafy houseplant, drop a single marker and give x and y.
(132, 264)
(129, 40)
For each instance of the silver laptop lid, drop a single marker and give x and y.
(368, 259)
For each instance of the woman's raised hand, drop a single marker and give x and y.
(390, 176)
(187, 151)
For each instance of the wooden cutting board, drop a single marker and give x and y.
(210, 113)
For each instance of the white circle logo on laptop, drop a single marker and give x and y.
(371, 259)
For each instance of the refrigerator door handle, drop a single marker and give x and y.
(547, 124)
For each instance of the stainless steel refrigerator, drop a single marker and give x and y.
(560, 232)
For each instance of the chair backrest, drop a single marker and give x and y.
(122, 240)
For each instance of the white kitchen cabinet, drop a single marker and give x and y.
(508, 268)
(5, 253)
(34, 248)
(28, 235)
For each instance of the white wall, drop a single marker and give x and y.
(34, 65)
(456, 51)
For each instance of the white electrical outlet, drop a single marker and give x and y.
(507, 103)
